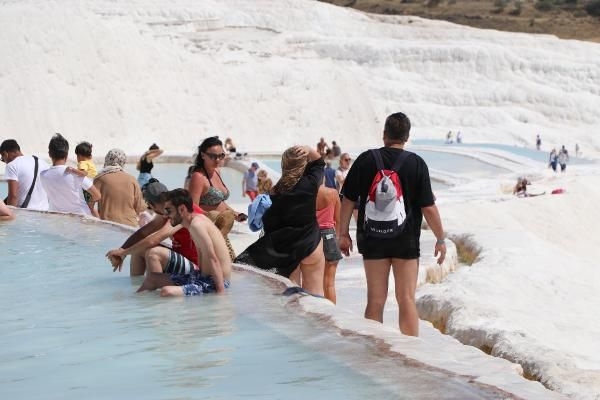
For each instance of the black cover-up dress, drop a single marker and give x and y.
(291, 231)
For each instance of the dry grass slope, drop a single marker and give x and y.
(567, 19)
(467, 249)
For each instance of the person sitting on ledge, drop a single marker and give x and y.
(215, 264)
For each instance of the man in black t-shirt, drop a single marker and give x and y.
(402, 252)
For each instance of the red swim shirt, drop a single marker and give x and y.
(183, 243)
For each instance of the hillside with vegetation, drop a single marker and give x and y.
(567, 19)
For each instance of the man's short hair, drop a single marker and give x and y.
(9, 145)
(58, 148)
(84, 149)
(178, 197)
(397, 128)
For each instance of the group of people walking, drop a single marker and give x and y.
(305, 229)
(559, 158)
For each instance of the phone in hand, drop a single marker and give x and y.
(241, 217)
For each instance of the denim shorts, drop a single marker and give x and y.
(144, 178)
(330, 245)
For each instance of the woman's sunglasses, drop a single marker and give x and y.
(215, 157)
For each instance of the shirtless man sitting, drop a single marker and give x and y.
(144, 246)
(215, 263)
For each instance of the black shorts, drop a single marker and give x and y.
(405, 247)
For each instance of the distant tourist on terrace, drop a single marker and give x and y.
(335, 149)
(145, 164)
(322, 147)
(264, 182)
(250, 182)
(23, 176)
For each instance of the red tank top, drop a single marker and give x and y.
(183, 243)
(326, 217)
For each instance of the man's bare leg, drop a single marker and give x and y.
(137, 264)
(378, 274)
(329, 280)
(296, 277)
(154, 281)
(313, 269)
(156, 259)
(405, 277)
(171, 291)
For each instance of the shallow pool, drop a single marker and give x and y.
(72, 328)
(527, 152)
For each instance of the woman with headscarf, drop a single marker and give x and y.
(292, 241)
(122, 199)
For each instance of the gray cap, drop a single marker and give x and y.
(255, 165)
(153, 191)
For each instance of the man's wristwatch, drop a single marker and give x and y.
(440, 242)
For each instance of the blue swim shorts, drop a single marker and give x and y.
(195, 284)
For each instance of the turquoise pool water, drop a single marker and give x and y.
(72, 329)
(531, 153)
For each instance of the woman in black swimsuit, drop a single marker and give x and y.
(145, 165)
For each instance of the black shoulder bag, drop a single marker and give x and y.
(35, 174)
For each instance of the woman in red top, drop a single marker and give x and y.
(328, 217)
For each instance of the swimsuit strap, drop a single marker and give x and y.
(207, 177)
(222, 181)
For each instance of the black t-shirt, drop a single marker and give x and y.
(414, 179)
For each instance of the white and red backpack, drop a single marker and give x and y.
(385, 213)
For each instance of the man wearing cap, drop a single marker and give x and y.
(144, 246)
(250, 182)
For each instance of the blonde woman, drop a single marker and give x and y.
(264, 182)
(292, 239)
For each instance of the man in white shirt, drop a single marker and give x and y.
(20, 173)
(65, 185)
(342, 171)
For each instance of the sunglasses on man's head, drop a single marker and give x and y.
(215, 157)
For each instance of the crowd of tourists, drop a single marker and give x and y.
(305, 222)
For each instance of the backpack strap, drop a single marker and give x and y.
(400, 160)
(378, 159)
(35, 174)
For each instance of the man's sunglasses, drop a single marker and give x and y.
(215, 157)
(346, 159)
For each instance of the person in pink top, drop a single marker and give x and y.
(328, 217)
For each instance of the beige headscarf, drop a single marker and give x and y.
(113, 162)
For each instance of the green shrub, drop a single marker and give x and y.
(593, 8)
(517, 9)
(544, 5)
